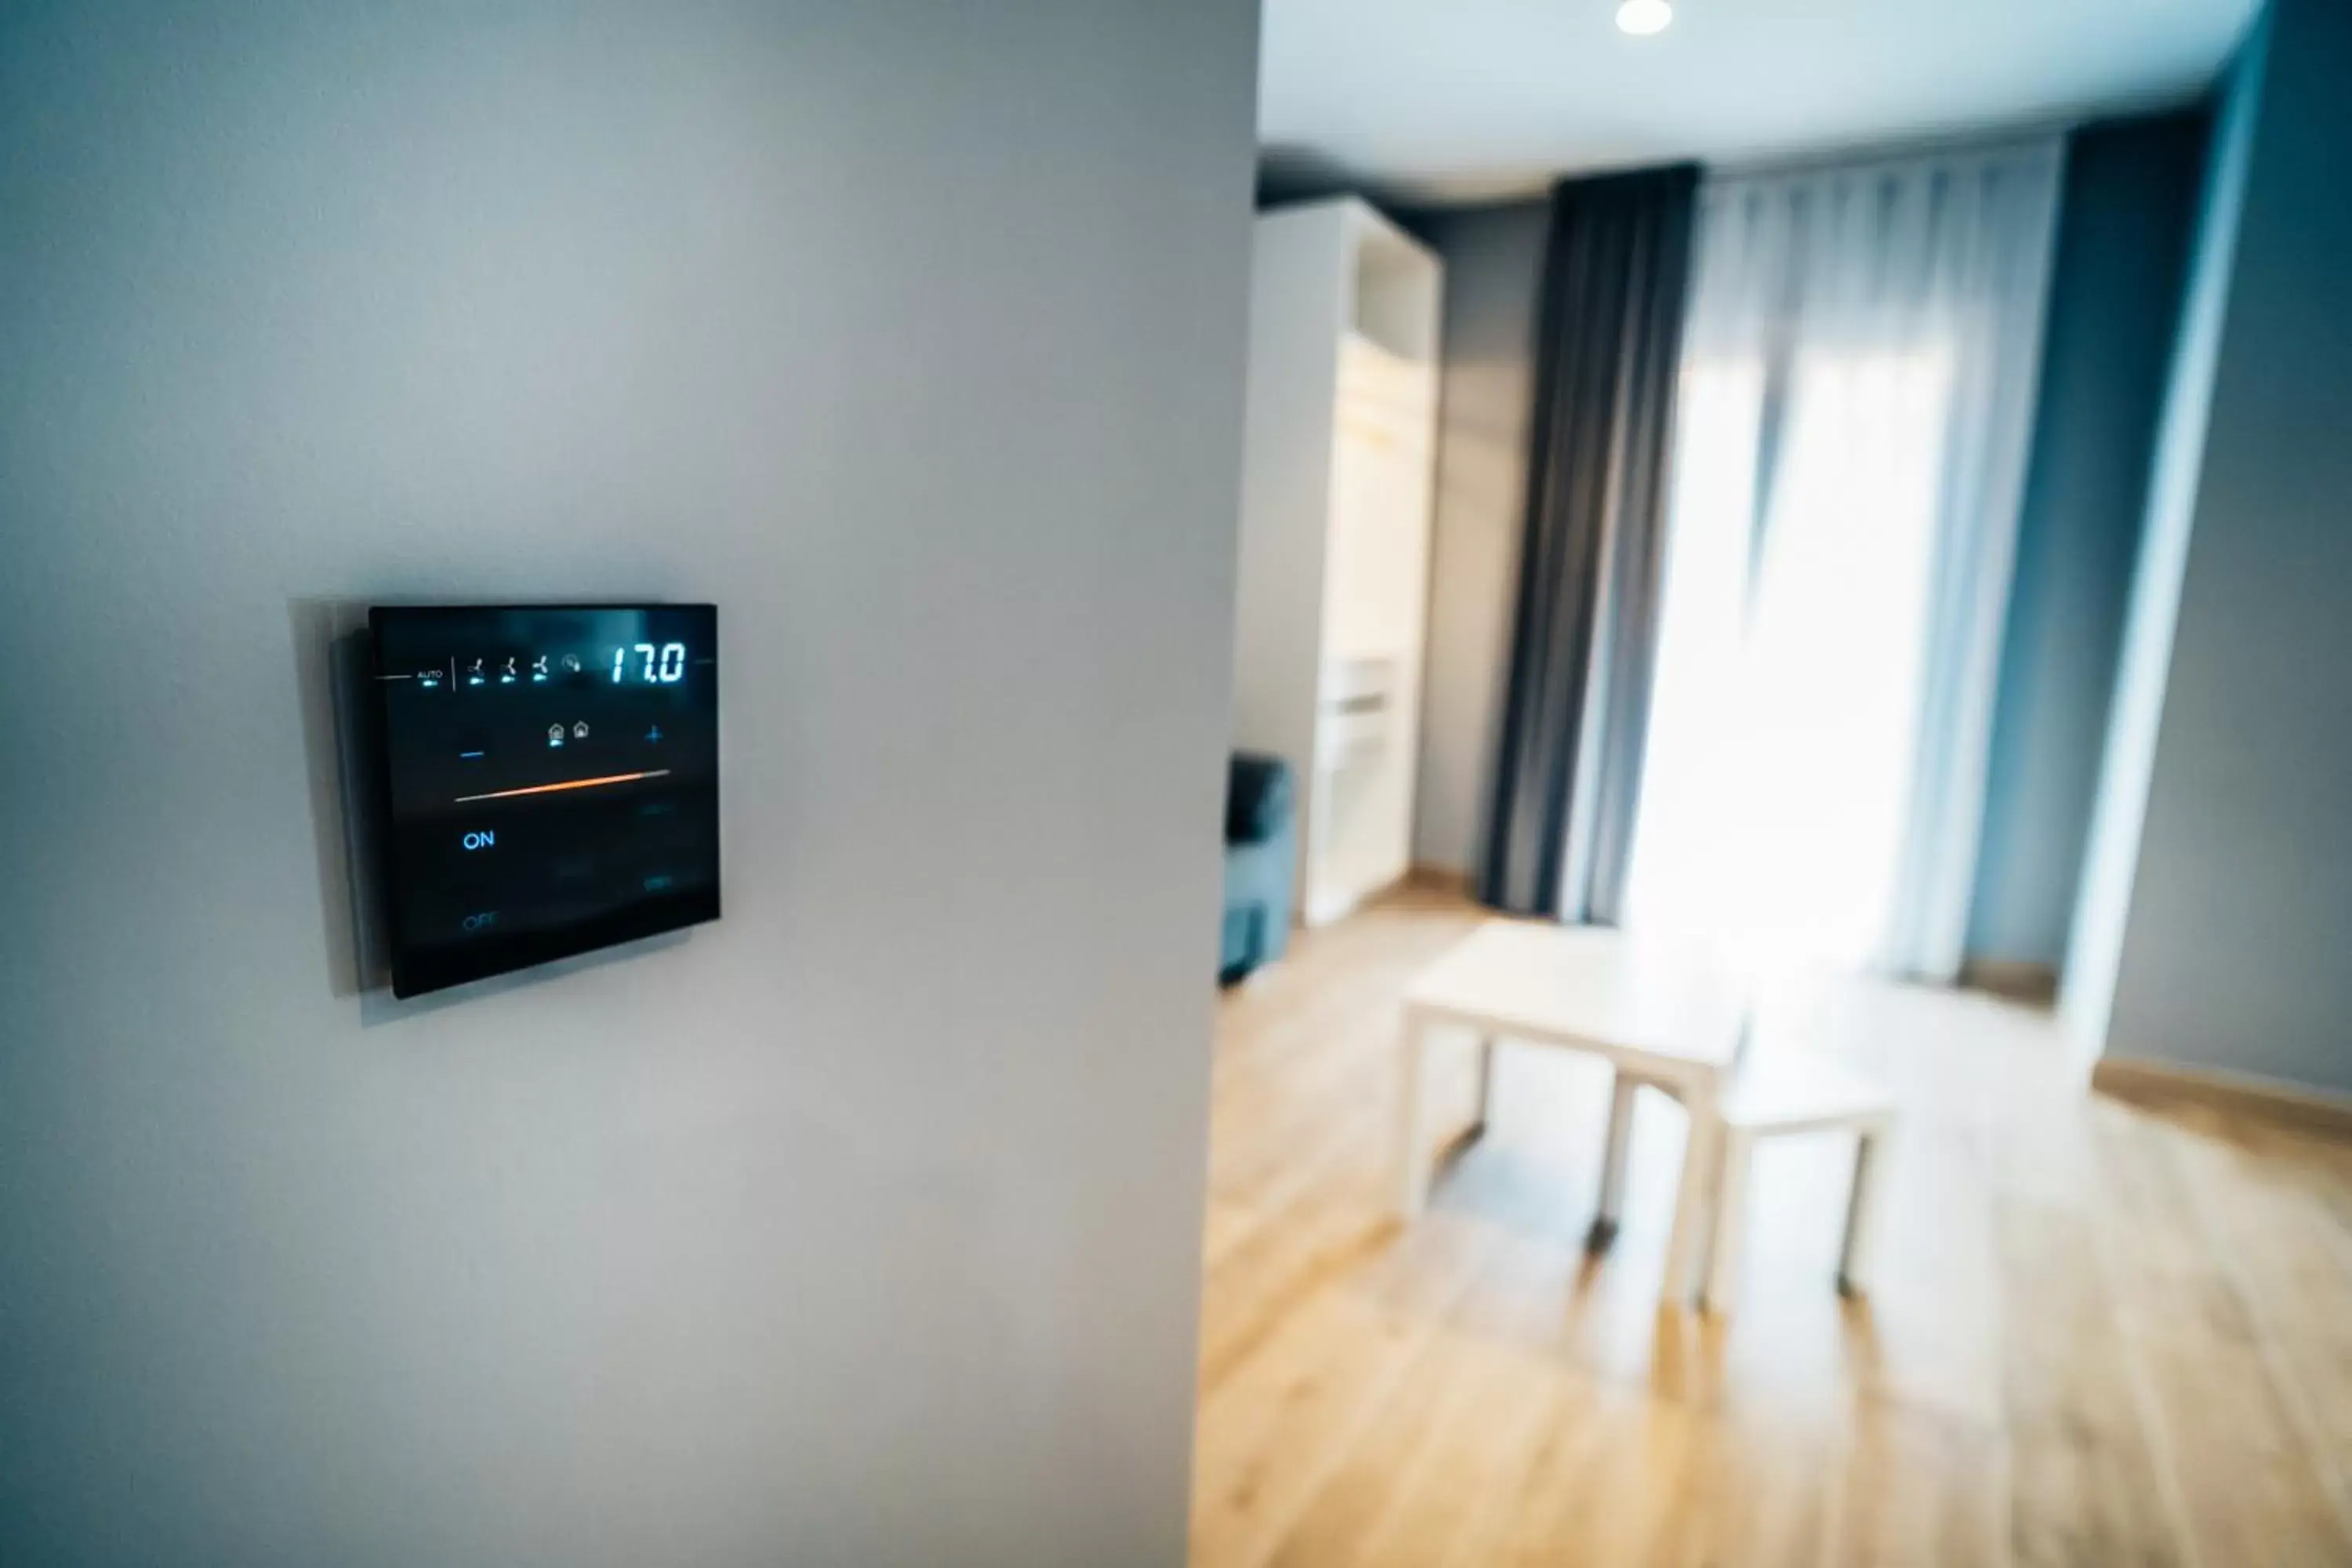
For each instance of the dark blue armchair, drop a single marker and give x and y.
(1261, 860)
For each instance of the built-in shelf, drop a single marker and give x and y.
(1342, 409)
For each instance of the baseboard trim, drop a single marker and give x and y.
(2017, 980)
(1332, 913)
(2154, 1083)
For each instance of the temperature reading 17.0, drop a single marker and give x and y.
(663, 666)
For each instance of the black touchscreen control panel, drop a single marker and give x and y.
(550, 780)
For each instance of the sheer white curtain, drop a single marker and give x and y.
(1857, 388)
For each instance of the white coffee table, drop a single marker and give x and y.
(1661, 1014)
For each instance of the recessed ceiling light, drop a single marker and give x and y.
(1643, 17)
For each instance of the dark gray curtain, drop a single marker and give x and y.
(1567, 767)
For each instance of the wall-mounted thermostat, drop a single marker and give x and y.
(550, 780)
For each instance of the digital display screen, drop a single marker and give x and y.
(550, 780)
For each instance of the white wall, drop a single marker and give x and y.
(859, 1227)
(1493, 256)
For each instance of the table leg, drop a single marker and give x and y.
(1692, 1198)
(1720, 1286)
(1617, 1150)
(1862, 1208)
(1487, 1045)
(1412, 1159)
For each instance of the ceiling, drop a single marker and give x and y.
(1456, 100)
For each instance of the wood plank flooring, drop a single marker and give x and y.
(2100, 1334)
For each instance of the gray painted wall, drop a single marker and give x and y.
(2234, 953)
(2129, 205)
(859, 1227)
(2095, 947)
(1493, 256)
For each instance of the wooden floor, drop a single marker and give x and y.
(2098, 1336)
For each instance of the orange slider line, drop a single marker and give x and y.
(569, 783)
